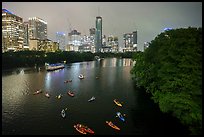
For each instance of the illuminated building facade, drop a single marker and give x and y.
(104, 41)
(98, 35)
(146, 45)
(130, 41)
(88, 42)
(111, 45)
(43, 45)
(60, 38)
(12, 31)
(37, 28)
(92, 32)
(74, 39)
(25, 36)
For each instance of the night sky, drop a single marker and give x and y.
(148, 18)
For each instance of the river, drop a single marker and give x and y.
(25, 113)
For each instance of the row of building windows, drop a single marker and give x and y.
(36, 28)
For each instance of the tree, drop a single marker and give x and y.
(171, 70)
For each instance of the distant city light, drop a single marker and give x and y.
(61, 33)
(166, 29)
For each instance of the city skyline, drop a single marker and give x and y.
(147, 18)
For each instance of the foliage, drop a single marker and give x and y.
(32, 58)
(171, 70)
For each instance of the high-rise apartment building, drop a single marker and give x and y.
(134, 33)
(98, 35)
(12, 31)
(37, 28)
(113, 43)
(60, 38)
(74, 39)
(25, 36)
(92, 39)
(130, 41)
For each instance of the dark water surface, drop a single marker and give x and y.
(25, 113)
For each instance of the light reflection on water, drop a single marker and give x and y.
(18, 86)
(24, 113)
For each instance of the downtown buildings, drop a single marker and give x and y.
(61, 39)
(38, 36)
(12, 31)
(130, 41)
(98, 34)
(37, 28)
(32, 35)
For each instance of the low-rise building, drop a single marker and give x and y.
(43, 45)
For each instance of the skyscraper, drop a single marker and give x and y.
(130, 41)
(92, 39)
(26, 35)
(98, 35)
(60, 38)
(134, 37)
(37, 28)
(134, 33)
(12, 31)
(74, 39)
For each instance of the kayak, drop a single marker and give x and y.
(66, 81)
(70, 93)
(117, 103)
(81, 76)
(91, 99)
(86, 129)
(59, 96)
(37, 92)
(110, 123)
(63, 114)
(79, 129)
(47, 95)
(118, 114)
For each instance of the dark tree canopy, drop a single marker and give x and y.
(32, 58)
(171, 70)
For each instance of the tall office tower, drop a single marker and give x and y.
(98, 35)
(134, 37)
(12, 31)
(103, 40)
(113, 44)
(74, 39)
(60, 38)
(37, 29)
(134, 33)
(25, 36)
(92, 39)
(130, 41)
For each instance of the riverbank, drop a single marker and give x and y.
(39, 58)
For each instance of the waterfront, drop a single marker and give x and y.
(25, 113)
